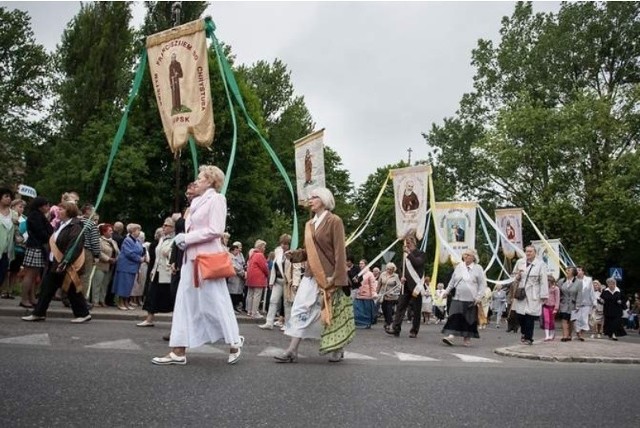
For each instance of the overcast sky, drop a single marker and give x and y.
(374, 74)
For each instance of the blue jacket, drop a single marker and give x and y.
(130, 254)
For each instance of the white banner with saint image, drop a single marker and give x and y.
(309, 156)
(410, 195)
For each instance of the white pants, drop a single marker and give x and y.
(274, 302)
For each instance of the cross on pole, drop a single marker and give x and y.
(409, 151)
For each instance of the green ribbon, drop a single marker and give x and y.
(230, 81)
(194, 156)
(114, 148)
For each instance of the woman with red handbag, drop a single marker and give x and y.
(203, 311)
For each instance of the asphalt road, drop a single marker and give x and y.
(99, 374)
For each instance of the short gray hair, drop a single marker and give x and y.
(325, 196)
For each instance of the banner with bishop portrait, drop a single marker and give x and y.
(179, 67)
(456, 228)
(410, 195)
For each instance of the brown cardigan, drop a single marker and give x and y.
(329, 239)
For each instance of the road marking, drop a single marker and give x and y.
(126, 344)
(206, 349)
(271, 351)
(474, 359)
(355, 356)
(30, 339)
(409, 357)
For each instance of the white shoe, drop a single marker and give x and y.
(80, 320)
(145, 323)
(170, 359)
(283, 328)
(266, 326)
(32, 318)
(278, 324)
(235, 356)
(257, 316)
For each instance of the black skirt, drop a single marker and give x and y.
(463, 320)
(160, 298)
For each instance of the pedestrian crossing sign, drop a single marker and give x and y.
(615, 273)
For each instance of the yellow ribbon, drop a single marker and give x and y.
(436, 257)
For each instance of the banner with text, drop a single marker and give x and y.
(410, 196)
(309, 156)
(456, 224)
(179, 67)
(509, 220)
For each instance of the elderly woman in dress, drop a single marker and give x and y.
(469, 281)
(203, 314)
(160, 297)
(129, 260)
(613, 304)
(320, 292)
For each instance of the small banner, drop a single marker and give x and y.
(456, 227)
(25, 190)
(179, 67)
(410, 196)
(509, 220)
(309, 155)
(548, 252)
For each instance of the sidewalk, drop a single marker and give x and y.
(624, 351)
(10, 308)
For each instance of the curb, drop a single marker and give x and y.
(132, 316)
(506, 352)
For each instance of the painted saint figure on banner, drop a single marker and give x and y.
(510, 232)
(410, 201)
(308, 168)
(175, 74)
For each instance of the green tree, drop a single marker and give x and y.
(93, 75)
(551, 125)
(23, 87)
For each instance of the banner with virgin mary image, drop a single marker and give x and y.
(309, 156)
(179, 67)
(410, 195)
(509, 221)
(455, 227)
(549, 252)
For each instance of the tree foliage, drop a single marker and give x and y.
(23, 87)
(552, 126)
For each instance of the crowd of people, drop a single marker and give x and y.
(63, 251)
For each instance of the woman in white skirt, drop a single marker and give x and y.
(203, 314)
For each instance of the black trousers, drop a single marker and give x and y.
(50, 284)
(387, 311)
(512, 321)
(404, 302)
(527, 324)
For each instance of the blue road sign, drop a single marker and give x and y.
(616, 273)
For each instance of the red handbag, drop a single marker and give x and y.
(212, 266)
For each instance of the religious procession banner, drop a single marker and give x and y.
(548, 252)
(410, 196)
(179, 67)
(509, 220)
(309, 156)
(455, 227)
